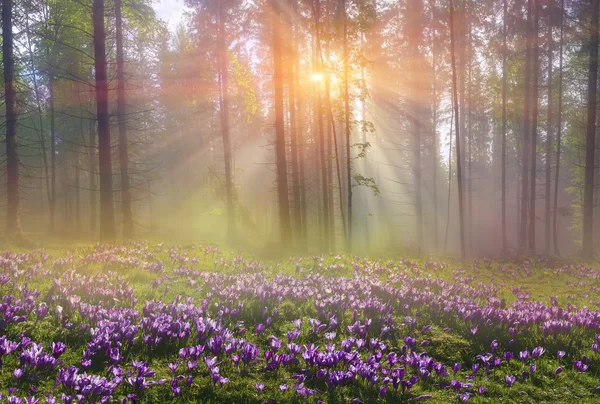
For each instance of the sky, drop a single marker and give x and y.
(170, 11)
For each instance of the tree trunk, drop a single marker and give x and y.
(92, 175)
(107, 212)
(77, 196)
(434, 133)
(347, 128)
(504, 91)
(548, 226)
(558, 128)
(414, 37)
(128, 227)
(469, 145)
(52, 206)
(588, 198)
(280, 157)
(456, 117)
(291, 76)
(321, 131)
(224, 109)
(534, 125)
(10, 99)
(525, 150)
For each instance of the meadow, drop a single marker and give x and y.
(151, 322)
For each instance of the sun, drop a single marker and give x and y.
(316, 77)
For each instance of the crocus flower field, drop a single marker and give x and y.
(145, 322)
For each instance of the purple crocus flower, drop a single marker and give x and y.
(523, 355)
(537, 352)
(560, 354)
(558, 371)
(580, 366)
(259, 387)
(456, 368)
(481, 390)
(259, 328)
(510, 380)
(465, 396)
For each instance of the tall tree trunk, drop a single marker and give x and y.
(347, 128)
(549, 130)
(224, 107)
(558, 128)
(456, 117)
(504, 91)
(588, 198)
(291, 77)
(469, 145)
(280, 157)
(10, 99)
(526, 115)
(128, 228)
(92, 175)
(434, 133)
(52, 205)
(534, 125)
(302, 130)
(414, 37)
(325, 243)
(77, 196)
(107, 210)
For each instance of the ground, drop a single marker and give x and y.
(154, 322)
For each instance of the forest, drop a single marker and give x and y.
(462, 129)
(299, 201)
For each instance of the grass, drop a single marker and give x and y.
(542, 280)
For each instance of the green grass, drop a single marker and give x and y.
(457, 345)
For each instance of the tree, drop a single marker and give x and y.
(107, 214)
(590, 151)
(293, 125)
(415, 111)
(347, 127)
(534, 124)
(10, 96)
(456, 117)
(559, 128)
(224, 114)
(504, 94)
(525, 201)
(280, 157)
(549, 130)
(128, 230)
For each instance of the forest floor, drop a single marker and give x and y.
(154, 322)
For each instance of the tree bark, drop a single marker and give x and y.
(588, 197)
(128, 227)
(525, 149)
(558, 128)
(549, 140)
(52, 206)
(504, 91)
(10, 98)
(347, 128)
(456, 117)
(534, 126)
(280, 157)
(107, 213)
(291, 76)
